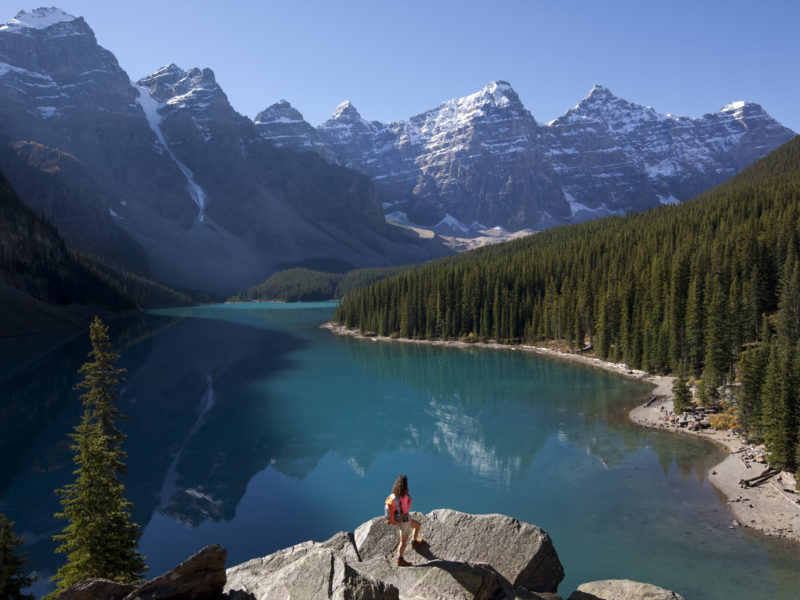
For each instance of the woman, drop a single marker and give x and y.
(405, 523)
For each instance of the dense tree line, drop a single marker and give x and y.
(308, 285)
(709, 288)
(35, 260)
(142, 292)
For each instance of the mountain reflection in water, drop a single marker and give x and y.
(251, 427)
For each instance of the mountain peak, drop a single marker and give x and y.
(170, 70)
(499, 93)
(280, 112)
(746, 113)
(742, 107)
(347, 111)
(173, 85)
(498, 87)
(38, 18)
(172, 74)
(600, 93)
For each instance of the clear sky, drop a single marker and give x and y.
(394, 59)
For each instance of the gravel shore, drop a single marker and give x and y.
(772, 508)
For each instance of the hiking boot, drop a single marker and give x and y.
(417, 543)
(402, 562)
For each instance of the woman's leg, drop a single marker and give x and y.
(403, 542)
(415, 525)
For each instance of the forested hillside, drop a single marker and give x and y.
(306, 285)
(710, 288)
(46, 286)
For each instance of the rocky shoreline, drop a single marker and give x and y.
(772, 508)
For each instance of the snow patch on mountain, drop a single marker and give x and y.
(451, 223)
(40, 18)
(584, 212)
(150, 107)
(7, 68)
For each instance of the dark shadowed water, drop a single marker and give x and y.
(252, 428)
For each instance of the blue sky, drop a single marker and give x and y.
(394, 59)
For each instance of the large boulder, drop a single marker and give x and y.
(465, 557)
(307, 570)
(622, 589)
(199, 577)
(91, 589)
(521, 553)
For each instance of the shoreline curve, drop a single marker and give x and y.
(771, 508)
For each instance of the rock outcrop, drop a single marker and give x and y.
(91, 589)
(464, 556)
(622, 589)
(199, 577)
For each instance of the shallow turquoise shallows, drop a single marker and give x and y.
(251, 427)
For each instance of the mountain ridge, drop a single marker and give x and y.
(197, 197)
(604, 156)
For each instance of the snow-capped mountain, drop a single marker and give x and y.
(614, 156)
(164, 176)
(483, 158)
(285, 126)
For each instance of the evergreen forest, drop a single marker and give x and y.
(308, 285)
(709, 289)
(47, 285)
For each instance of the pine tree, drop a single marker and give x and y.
(752, 369)
(778, 395)
(13, 577)
(100, 539)
(681, 395)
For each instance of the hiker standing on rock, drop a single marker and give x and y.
(396, 510)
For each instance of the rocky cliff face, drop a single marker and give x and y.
(483, 161)
(193, 194)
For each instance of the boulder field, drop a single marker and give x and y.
(463, 557)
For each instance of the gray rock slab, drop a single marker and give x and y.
(249, 575)
(91, 589)
(440, 579)
(521, 553)
(622, 589)
(311, 571)
(199, 577)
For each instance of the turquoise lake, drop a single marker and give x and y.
(251, 427)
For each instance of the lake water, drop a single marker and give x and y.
(251, 427)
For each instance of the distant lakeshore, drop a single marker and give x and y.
(768, 508)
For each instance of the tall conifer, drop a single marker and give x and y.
(13, 577)
(100, 539)
(681, 396)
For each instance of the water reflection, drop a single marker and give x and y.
(251, 414)
(193, 442)
(473, 395)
